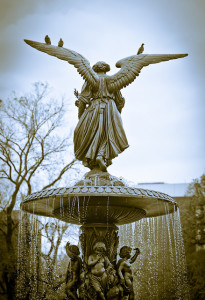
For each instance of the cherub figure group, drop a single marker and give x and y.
(99, 279)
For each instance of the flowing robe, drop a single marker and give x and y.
(99, 131)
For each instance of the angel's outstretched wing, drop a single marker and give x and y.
(72, 57)
(132, 65)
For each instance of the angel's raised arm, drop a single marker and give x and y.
(132, 65)
(80, 63)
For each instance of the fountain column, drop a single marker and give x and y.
(93, 233)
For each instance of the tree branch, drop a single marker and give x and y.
(3, 232)
(66, 168)
(8, 176)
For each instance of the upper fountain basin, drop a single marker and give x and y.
(100, 198)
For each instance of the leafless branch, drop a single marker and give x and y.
(7, 176)
(28, 140)
(4, 233)
(67, 167)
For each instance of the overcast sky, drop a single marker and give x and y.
(164, 111)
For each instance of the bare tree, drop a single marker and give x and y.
(31, 146)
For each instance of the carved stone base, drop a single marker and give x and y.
(94, 284)
(93, 233)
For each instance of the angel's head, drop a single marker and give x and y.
(101, 66)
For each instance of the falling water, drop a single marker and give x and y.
(33, 248)
(28, 263)
(160, 269)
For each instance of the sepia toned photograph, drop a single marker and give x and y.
(102, 150)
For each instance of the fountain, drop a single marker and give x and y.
(100, 202)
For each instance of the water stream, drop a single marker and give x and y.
(160, 269)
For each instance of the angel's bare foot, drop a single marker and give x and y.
(101, 163)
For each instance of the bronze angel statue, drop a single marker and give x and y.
(99, 135)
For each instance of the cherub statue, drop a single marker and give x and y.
(73, 272)
(99, 135)
(124, 269)
(100, 270)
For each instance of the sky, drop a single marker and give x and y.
(164, 111)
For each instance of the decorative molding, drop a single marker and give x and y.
(100, 191)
